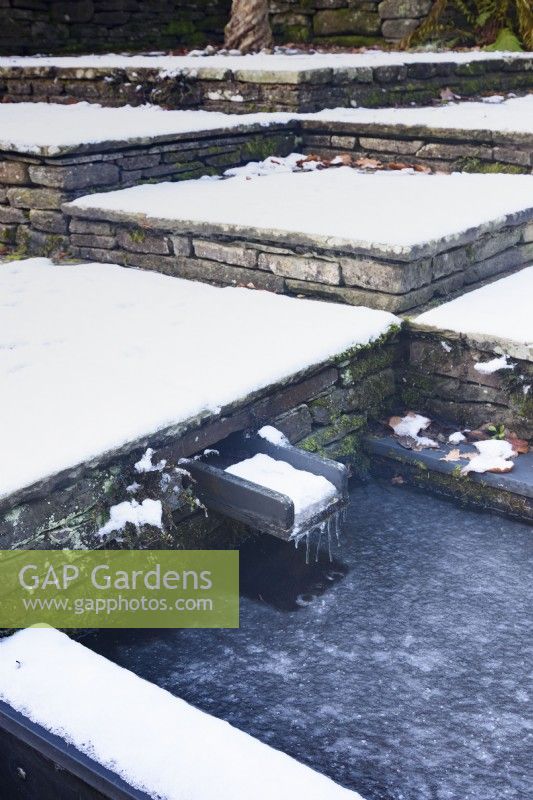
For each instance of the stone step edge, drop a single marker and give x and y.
(510, 493)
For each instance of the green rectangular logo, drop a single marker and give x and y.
(119, 588)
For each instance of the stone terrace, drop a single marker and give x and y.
(52, 154)
(473, 137)
(175, 365)
(451, 345)
(365, 246)
(264, 82)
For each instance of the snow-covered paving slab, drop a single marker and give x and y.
(49, 129)
(94, 357)
(501, 310)
(249, 83)
(390, 240)
(259, 62)
(514, 115)
(472, 358)
(155, 741)
(381, 213)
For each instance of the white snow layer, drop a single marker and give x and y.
(47, 128)
(501, 309)
(494, 455)
(273, 435)
(158, 743)
(495, 364)
(260, 62)
(514, 115)
(385, 209)
(149, 512)
(309, 493)
(95, 356)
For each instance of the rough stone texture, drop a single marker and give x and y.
(443, 381)
(300, 265)
(67, 510)
(244, 91)
(29, 26)
(43, 183)
(447, 150)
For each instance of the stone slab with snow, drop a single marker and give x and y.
(158, 744)
(51, 153)
(336, 233)
(474, 136)
(472, 357)
(305, 82)
(99, 362)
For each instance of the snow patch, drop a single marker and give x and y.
(310, 493)
(411, 425)
(156, 742)
(492, 114)
(494, 456)
(145, 463)
(495, 364)
(149, 512)
(501, 309)
(95, 357)
(273, 436)
(367, 210)
(456, 438)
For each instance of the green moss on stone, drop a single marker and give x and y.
(491, 167)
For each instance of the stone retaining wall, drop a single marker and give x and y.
(70, 26)
(325, 410)
(248, 91)
(441, 380)
(448, 150)
(298, 264)
(32, 188)
(30, 26)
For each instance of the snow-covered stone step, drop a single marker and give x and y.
(122, 359)
(156, 742)
(471, 360)
(388, 240)
(53, 153)
(510, 493)
(495, 135)
(307, 82)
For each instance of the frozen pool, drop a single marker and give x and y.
(400, 670)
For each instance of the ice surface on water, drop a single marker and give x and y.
(403, 670)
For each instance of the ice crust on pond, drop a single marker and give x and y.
(95, 357)
(49, 128)
(501, 309)
(310, 493)
(342, 205)
(156, 742)
(170, 65)
(513, 115)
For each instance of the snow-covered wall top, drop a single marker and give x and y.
(501, 310)
(158, 744)
(247, 65)
(514, 115)
(95, 356)
(385, 212)
(48, 129)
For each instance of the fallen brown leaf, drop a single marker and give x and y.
(393, 421)
(502, 469)
(520, 446)
(368, 163)
(453, 455)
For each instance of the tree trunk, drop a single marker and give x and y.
(249, 28)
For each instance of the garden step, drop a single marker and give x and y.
(307, 82)
(510, 493)
(387, 240)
